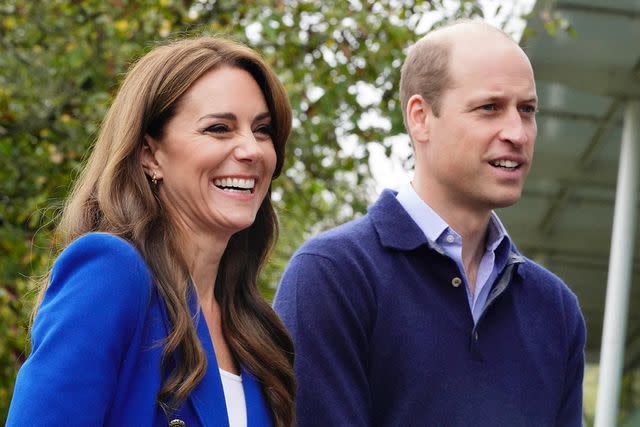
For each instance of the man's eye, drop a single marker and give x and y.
(529, 109)
(217, 129)
(489, 107)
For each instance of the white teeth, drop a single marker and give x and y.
(505, 163)
(237, 183)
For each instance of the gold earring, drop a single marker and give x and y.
(154, 179)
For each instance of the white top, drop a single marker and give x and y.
(234, 398)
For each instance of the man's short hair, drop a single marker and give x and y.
(425, 72)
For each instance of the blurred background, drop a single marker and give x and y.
(62, 61)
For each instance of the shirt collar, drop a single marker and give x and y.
(496, 233)
(433, 226)
(393, 224)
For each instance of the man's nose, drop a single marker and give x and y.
(514, 128)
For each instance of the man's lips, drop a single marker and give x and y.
(507, 164)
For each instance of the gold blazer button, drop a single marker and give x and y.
(177, 423)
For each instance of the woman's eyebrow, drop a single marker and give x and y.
(226, 116)
(264, 115)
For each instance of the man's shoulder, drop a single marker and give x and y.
(536, 272)
(543, 280)
(385, 225)
(357, 233)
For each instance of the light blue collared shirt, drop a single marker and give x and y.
(445, 238)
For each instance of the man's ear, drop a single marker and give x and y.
(418, 119)
(148, 157)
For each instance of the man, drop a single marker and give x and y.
(423, 312)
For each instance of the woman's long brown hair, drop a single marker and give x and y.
(113, 194)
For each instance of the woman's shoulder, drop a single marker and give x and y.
(103, 264)
(111, 244)
(103, 248)
(91, 318)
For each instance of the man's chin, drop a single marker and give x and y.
(506, 200)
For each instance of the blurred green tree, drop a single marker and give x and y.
(61, 63)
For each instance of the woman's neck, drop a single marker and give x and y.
(202, 255)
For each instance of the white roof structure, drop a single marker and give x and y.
(589, 90)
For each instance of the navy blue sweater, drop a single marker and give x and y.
(385, 337)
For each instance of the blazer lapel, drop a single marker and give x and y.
(258, 414)
(208, 396)
(207, 399)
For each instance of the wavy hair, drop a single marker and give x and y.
(113, 194)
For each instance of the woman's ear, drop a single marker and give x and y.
(148, 159)
(418, 115)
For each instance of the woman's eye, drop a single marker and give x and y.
(217, 129)
(264, 130)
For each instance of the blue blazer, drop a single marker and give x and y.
(96, 348)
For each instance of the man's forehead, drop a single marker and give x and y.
(474, 38)
(493, 76)
(467, 30)
(525, 94)
(479, 41)
(488, 57)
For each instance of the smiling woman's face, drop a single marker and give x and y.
(215, 156)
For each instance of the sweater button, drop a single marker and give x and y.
(456, 281)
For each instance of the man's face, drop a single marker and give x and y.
(480, 147)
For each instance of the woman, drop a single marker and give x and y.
(152, 314)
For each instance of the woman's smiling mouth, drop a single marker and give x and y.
(236, 185)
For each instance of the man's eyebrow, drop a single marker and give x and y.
(490, 98)
(485, 97)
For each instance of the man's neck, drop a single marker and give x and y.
(473, 230)
(470, 223)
